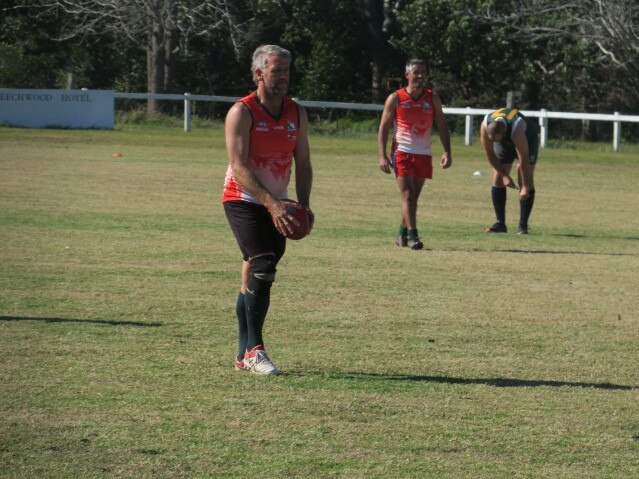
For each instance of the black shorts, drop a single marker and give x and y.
(254, 230)
(506, 153)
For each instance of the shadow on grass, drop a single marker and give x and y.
(571, 235)
(71, 320)
(533, 251)
(539, 251)
(496, 382)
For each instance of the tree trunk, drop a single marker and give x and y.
(374, 19)
(170, 50)
(156, 65)
(588, 128)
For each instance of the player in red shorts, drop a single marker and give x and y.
(412, 111)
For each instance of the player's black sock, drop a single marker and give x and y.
(257, 303)
(412, 234)
(499, 203)
(525, 208)
(403, 231)
(240, 311)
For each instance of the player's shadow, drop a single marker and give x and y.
(572, 235)
(90, 321)
(546, 251)
(563, 252)
(495, 382)
(538, 251)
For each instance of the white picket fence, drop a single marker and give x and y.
(468, 112)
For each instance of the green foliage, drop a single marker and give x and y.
(328, 37)
(475, 63)
(18, 69)
(472, 63)
(28, 59)
(31, 58)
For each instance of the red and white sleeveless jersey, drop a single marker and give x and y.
(270, 156)
(413, 123)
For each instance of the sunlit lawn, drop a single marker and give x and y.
(483, 356)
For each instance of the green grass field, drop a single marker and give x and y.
(484, 356)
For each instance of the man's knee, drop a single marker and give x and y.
(411, 199)
(261, 272)
(408, 194)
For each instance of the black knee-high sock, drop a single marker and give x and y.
(525, 208)
(240, 312)
(499, 203)
(257, 303)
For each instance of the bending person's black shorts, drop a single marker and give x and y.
(254, 230)
(506, 153)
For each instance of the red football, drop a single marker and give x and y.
(301, 215)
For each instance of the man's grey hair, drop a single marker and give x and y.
(415, 61)
(262, 54)
(497, 127)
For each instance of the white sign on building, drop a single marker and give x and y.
(57, 108)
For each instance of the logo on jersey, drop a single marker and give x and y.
(279, 167)
(261, 126)
(503, 112)
(420, 129)
(425, 106)
(290, 126)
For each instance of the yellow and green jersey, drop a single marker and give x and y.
(512, 117)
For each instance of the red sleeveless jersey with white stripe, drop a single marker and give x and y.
(271, 145)
(414, 123)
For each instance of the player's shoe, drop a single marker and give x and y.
(257, 361)
(497, 228)
(523, 230)
(416, 243)
(402, 241)
(239, 365)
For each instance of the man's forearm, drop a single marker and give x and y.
(303, 184)
(251, 183)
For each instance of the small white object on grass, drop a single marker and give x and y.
(478, 173)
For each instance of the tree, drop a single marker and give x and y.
(381, 20)
(470, 63)
(29, 59)
(611, 26)
(162, 28)
(328, 40)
